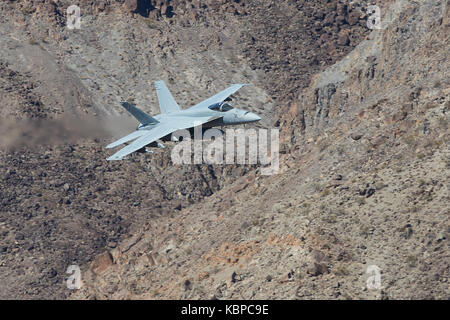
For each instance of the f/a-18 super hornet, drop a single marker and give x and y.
(212, 112)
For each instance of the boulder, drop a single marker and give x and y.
(131, 5)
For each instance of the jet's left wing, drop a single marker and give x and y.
(162, 130)
(150, 136)
(127, 138)
(220, 97)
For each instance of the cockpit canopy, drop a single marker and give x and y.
(221, 106)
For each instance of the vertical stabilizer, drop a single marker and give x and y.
(167, 103)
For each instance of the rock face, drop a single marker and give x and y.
(131, 5)
(364, 126)
(312, 234)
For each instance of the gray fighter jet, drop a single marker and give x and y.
(212, 112)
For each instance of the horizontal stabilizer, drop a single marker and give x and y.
(140, 115)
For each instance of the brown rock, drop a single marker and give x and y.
(353, 18)
(399, 116)
(101, 263)
(240, 10)
(164, 9)
(340, 20)
(329, 19)
(343, 39)
(131, 5)
(316, 269)
(356, 136)
(324, 38)
(341, 8)
(101, 6)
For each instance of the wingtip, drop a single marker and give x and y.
(113, 158)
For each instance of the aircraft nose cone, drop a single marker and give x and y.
(252, 117)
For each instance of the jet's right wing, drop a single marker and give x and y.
(220, 97)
